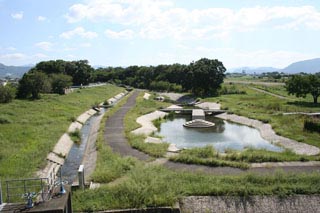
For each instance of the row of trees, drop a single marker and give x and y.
(54, 77)
(202, 77)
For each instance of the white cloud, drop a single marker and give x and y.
(17, 16)
(11, 48)
(45, 45)
(41, 18)
(160, 19)
(70, 57)
(79, 31)
(13, 56)
(85, 45)
(40, 56)
(124, 34)
(258, 58)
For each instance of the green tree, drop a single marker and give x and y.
(205, 76)
(301, 85)
(7, 93)
(59, 82)
(83, 72)
(32, 84)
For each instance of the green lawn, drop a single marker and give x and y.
(30, 129)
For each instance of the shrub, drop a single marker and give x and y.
(312, 125)
(7, 93)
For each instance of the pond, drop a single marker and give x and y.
(224, 135)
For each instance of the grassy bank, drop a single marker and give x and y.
(32, 128)
(148, 186)
(210, 157)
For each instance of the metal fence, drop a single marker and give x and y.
(20, 189)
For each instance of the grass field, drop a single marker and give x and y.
(149, 186)
(30, 129)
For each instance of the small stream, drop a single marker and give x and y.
(75, 156)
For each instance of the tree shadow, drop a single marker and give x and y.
(304, 104)
(186, 99)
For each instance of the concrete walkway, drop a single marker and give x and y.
(114, 131)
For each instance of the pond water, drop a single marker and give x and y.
(224, 135)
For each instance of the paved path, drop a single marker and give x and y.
(114, 131)
(270, 93)
(114, 135)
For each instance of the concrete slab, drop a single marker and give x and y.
(74, 126)
(198, 114)
(111, 101)
(173, 148)
(91, 112)
(55, 158)
(174, 107)
(63, 146)
(146, 96)
(153, 140)
(209, 105)
(83, 118)
(146, 123)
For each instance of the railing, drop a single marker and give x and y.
(19, 189)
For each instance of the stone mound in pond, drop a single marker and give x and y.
(198, 123)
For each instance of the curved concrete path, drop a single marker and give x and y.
(115, 137)
(114, 131)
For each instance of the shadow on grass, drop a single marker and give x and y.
(304, 104)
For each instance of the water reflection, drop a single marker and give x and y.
(224, 135)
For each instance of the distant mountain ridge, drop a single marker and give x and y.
(13, 71)
(253, 70)
(307, 66)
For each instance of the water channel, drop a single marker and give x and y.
(224, 135)
(75, 156)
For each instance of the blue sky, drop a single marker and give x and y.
(151, 32)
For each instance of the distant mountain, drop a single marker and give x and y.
(13, 71)
(307, 66)
(253, 70)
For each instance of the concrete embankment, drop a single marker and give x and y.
(56, 158)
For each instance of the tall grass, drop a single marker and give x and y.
(210, 157)
(148, 186)
(30, 129)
